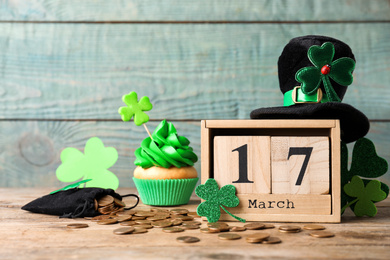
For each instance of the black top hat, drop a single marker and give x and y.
(314, 73)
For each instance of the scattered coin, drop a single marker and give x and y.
(313, 227)
(137, 217)
(155, 218)
(124, 230)
(144, 214)
(183, 217)
(229, 236)
(216, 224)
(77, 225)
(237, 229)
(100, 217)
(145, 226)
(172, 229)
(179, 211)
(139, 230)
(254, 226)
(209, 231)
(289, 229)
(193, 214)
(321, 234)
(221, 228)
(123, 218)
(109, 221)
(176, 222)
(142, 221)
(188, 239)
(190, 226)
(271, 240)
(267, 226)
(192, 223)
(128, 223)
(257, 238)
(162, 224)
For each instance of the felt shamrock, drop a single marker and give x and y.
(324, 68)
(216, 198)
(365, 163)
(93, 164)
(365, 196)
(71, 186)
(135, 108)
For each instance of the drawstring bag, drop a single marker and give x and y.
(74, 203)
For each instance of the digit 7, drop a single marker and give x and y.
(301, 151)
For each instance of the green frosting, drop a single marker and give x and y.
(166, 149)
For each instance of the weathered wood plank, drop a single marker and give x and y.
(30, 150)
(190, 71)
(201, 10)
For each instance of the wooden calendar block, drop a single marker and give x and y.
(300, 165)
(243, 161)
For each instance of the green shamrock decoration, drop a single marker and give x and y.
(135, 108)
(92, 164)
(365, 196)
(216, 198)
(324, 68)
(71, 186)
(365, 163)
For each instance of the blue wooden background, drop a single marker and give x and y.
(64, 66)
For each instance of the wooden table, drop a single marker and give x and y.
(36, 236)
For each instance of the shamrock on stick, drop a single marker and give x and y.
(365, 196)
(92, 164)
(215, 198)
(324, 68)
(135, 109)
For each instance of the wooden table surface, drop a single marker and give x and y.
(36, 236)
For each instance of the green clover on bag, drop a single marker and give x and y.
(365, 196)
(215, 198)
(324, 68)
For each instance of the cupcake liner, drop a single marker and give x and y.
(169, 192)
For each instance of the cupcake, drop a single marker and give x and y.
(165, 175)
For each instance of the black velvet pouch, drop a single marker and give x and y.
(72, 203)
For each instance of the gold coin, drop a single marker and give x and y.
(190, 226)
(143, 221)
(139, 230)
(145, 214)
(124, 230)
(155, 218)
(208, 231)
(267, 226)
(96, 204)
(219, 229)
(313, 227)
(229, 236)
(176, 222)
(237, 229)
(188, 239)
(192, 223)
(128, 223)
(321, 234)
(123, 218)
(145, 226)
(162, 224)
(257, 238)
(137, 217)
(119, 203)
(172, 229)
(179, 211)
(100, 217)
(254, 226)
(157, 210)
(193, 214)
(216, 224)
(109, 221)
(271, 240)
(77, 225)
(290, 229)
(105, 200)
(182, 217)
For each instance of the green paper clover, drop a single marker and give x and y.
(324, 68)
(365, 196)
(135, 108)
(365, 163)
(93, 164)
(216, 198)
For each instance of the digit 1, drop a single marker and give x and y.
(301, 151)
(242, 164)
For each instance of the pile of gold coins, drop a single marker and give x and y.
(178, 220)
